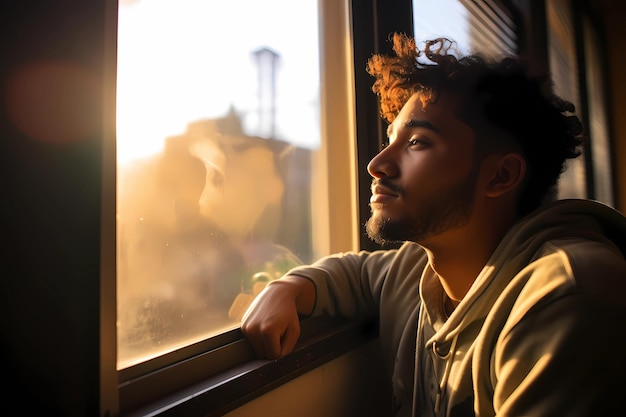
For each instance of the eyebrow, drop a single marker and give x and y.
(414, 123)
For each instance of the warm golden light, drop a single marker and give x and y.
(214, 136)
(179, 62)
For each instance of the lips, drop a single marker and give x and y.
(382, 194)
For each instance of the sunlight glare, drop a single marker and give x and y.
(182, 61)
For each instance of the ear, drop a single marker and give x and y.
(508, 173)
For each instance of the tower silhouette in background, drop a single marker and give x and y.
(266, 61)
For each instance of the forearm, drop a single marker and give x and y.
(303, 291)
(346, 284)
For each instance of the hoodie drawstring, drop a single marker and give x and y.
(448, 357)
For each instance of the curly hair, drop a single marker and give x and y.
(501, 101)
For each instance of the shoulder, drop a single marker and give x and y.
(406, 256)
(410, 256)
(577, 246)
(570, 274)
(596, 268)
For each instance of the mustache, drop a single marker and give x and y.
(383, 182)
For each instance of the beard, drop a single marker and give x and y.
(448, 211)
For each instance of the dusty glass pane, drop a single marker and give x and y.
(217, 120)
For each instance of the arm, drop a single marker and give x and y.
(345, 284)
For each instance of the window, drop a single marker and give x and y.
(476, 26)
(221, 163)
(576, 63)
(308, 115)
(564, 69)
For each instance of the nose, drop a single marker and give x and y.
(383, 165)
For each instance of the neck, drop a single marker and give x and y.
(457, 257)
(456, 272)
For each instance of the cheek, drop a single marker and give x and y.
(445, 166)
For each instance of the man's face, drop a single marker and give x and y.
(424, 180)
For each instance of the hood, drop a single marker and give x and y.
(561, 219)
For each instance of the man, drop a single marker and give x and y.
(499, 302)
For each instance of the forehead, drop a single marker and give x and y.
(441, 116)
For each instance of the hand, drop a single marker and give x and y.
(272, 323)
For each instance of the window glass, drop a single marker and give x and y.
(217, 124)
(476, 26)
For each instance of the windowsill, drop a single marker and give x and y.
(322, 340)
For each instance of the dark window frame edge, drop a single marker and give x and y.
(322, 340)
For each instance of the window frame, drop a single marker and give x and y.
(222, 371)
(372, 23)
(219, 380)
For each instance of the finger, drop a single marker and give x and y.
(253, 339)
(257, 340)
(271, 345)
(258, 347)
(290, 338)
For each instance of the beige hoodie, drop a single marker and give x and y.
(540, 333)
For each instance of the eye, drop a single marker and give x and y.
(384, 145)
(419, 142)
